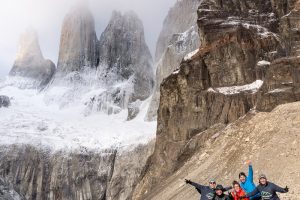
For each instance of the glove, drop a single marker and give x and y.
(188, 181)
(286, 189)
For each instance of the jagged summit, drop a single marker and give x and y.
(124, 53)
(29, 62)
(78, 43)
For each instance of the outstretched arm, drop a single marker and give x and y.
(280, 189)
(228, 188)
(196, 185)
(250, 171)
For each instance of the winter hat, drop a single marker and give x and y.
(242, 174)
(212, 181)
(219, 187)
(262, 176)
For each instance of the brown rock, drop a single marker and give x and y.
(282, 84)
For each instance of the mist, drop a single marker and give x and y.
(46, 17)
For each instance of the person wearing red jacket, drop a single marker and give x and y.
(237, 192)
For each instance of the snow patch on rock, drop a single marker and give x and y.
(253, 87)
(263, 63)
(191, 54)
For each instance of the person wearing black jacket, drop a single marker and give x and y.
(267, 189)
(219, 193)
(207, 192)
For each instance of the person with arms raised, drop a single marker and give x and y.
(267, 190)
(247, 183)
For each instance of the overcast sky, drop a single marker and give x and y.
(46, 17)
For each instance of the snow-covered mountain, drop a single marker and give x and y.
(74, 134)
(107, 76)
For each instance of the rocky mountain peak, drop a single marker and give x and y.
(124, 53)
(78, 44)
(29, 47)
(29, 62)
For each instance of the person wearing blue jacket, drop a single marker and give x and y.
(247, 183)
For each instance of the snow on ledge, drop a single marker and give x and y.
(190, 55)
(253, 87)
(263, 63)
(176, 71)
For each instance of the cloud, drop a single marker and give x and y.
(46, 16)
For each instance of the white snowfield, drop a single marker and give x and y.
(33, 119)
(253, 87)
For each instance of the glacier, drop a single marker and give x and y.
(59, 118)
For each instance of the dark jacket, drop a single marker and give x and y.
(206, 192)
(267, 192)
(222, 197)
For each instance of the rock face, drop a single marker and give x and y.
(78, 43)
(282, 84)
(127, 171)
(124, 54)
(30, 62)
(178, 37)
(181, 17)
(4, 101)
(220, 82)
(39, 174)
(7, 192)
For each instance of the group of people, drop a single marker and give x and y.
(243, 190)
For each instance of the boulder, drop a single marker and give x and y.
(4, 101)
